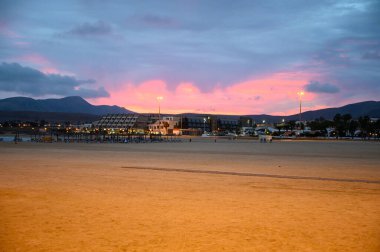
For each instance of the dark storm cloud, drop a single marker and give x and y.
(316, 87)
(26, 80)
(89, 29)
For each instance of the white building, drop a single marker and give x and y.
(167, 125)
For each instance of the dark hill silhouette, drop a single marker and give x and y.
(71, 104)
(57, 117)
(75, 107)
(369, 108)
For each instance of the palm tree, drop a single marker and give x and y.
(339, 125)
(279, 127)
(346, 122)
(166, 126)
(364, 124)
(292, 125)
(352, 127)
(377, 128)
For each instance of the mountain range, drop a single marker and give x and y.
(70, 104)
(77, 109)
(367, 108)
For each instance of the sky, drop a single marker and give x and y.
(210, 56)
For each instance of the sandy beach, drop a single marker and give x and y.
(240, 196)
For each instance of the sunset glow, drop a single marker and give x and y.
(191, 125)
(276, 94)
(201, 57)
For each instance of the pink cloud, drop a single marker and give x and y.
(33, 58)
(50, 70)
(272, 94)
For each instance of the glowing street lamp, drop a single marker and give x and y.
(159, 99)
(300, 94)
(204, 125)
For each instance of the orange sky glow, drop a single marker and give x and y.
(269, 94)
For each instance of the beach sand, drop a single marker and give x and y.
(94, 197)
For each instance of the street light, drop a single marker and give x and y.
(204, 125)
(300, 94)
(159, 99)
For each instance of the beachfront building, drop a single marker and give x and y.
(246, 126)
(126, 122)
(189, 124)
(197, 124)
(228, 124)
(168, 125)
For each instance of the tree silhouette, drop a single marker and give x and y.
(166, 126)
(339, 125)
(364, 124)
(352, 127)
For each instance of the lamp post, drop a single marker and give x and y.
(300, 94)
(204, 125)
(159, 99)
